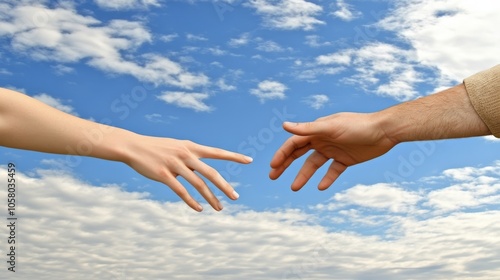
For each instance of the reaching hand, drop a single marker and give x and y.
(347, 138)
(163, 159)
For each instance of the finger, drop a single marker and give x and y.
(291, 144)
(217, 153)
(313, 163)
(179, 189)
(200, 185)
(211, 174)
(334, 171)
(277, 171)
(307, 128)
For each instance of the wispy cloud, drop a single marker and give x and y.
(243, 40)
(316, 101)
(345, 11)
(283, 14)
(269, 46)
(126, 4)
(155, 118)
(189, 100)
(315, 41)
(222, 85)
(56, 103)
(169, 37)
(64, 36)
(381, 68)
(192, 37)
(5, 72)
(268, 90)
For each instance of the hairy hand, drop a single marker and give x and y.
(347, 138)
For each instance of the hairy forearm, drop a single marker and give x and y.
(447, 114)
(26, 123)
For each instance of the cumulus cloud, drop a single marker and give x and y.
(288, 15)
(190, 100)
(445, 34)
(56, 103)
(166, 240)
(344, 11)
(64, 36)
(381, 68)
(316, 101)
(442, 47)
(268, 89)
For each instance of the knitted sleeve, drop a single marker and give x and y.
(483, 89)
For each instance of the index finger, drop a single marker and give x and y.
(288, 148)
(217, 153)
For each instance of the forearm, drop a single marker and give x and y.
(447, 114)
(26, 123)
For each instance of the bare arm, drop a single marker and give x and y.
(352, 138)
(26, 123)
(447, 114)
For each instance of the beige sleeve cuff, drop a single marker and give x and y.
(484, 93)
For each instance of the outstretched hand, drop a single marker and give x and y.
(163, 159)
(347, 138)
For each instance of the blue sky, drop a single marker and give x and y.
(227, 73)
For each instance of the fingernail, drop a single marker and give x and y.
(291, 123)
(199, 208)
(220, 206)
(249, 159)
(235, 195)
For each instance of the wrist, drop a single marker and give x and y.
(116, 144)
(392, 124)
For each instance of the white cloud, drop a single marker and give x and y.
(269, 46)
(345, 11)
(311, 74)
(188, 100)
(243, 40)
(158, 239)
(491, 138)
(379, 196)
(342, 58)
(64, 36)
(192, 37)
(222, 85)
(288, 14)
(169, 37)
(63, 69)
(126, 4)
(456, 37)
(316, 101)
(474, 187)
(268, 89)
(314, 41)
(5, 72)
(381, 68)
(154, 118)
(56, 103)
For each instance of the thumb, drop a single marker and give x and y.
(305, 129)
